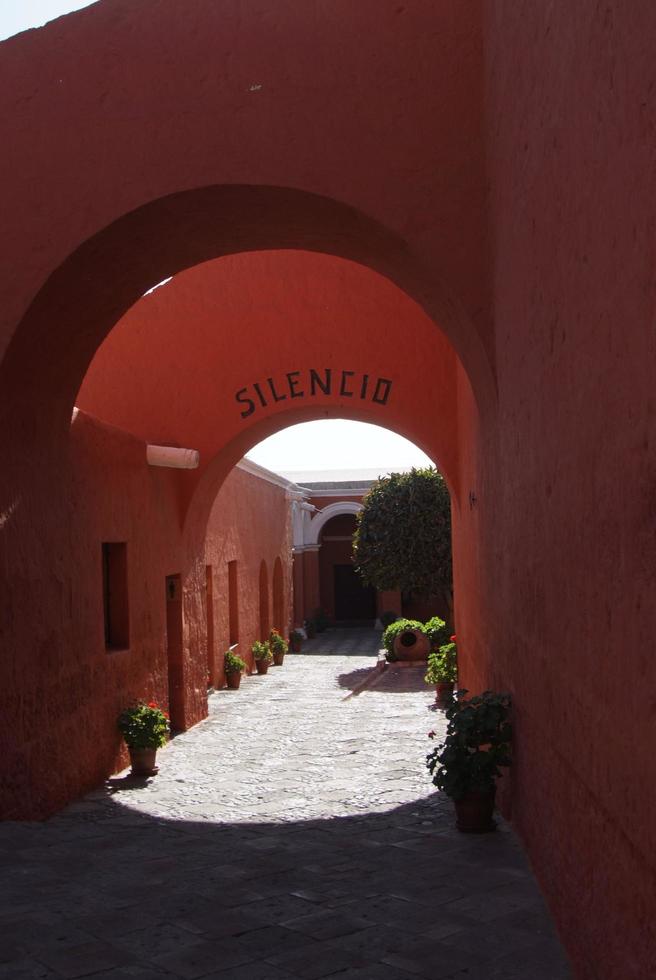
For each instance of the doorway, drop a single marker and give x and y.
(355, 603)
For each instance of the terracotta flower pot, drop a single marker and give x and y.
(474, 812)
(233, 680)
(143, 761)
(278, 659)
(295, 645)
(443, 693)
(262, 666)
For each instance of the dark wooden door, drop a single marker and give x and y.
(354, 602)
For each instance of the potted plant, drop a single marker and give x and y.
(278, 647)
(310, 629)
(476, 747)
(145, 728)
(233, 666)
(437, 632)
(296, 641)
(321, 620)
(443, 672)
(263, 656)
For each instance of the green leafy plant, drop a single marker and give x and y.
(262, 651)
(321, 620)
(393, 630)
(442, 665)
(476, 746)
(403, 534)
(310, 629)
(232, 663)
(388, 617)
(437, 632)
(276, 643)
(144, 726)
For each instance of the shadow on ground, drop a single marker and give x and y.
(398, 895)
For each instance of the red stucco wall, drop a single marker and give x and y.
(555, 584)
(249, 523)
(497, 163)
(116, 496)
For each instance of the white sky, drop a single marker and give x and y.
(330, 444)
(323, 445)
(19, 15)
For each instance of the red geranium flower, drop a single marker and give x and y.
(432, 734)
(151, 704)
(453, 638)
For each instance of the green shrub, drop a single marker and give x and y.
(321, 620)
(437, 632)
(442, 665)
(276, 643)
(476, 746)
(144, 726)
(403, 534)
(262, 651)
(232, 663)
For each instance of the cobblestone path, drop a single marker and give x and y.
(293, 834)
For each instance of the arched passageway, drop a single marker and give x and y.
(456, 164)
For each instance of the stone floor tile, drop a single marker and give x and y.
(435, 961)
(27, 968)
(251, 971)
(81, 961)
(203, 958)
(327, 924)
(321, 959)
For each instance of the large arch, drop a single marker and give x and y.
(270, 175)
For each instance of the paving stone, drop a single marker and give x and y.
(201, 959)
(81, 961)
(293, 833)
(27, 968)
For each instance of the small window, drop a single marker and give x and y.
(115, 595)
(233, 603)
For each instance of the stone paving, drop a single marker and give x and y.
(293, 834)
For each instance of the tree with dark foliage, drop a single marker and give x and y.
(403, 535)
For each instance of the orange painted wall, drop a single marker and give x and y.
(250, 522)
(496, 162)
(116, 496)
(555, 589)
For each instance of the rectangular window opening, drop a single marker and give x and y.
(115, 595)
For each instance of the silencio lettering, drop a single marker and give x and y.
(309, 384)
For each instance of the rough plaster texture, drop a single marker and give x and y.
(257, 529)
